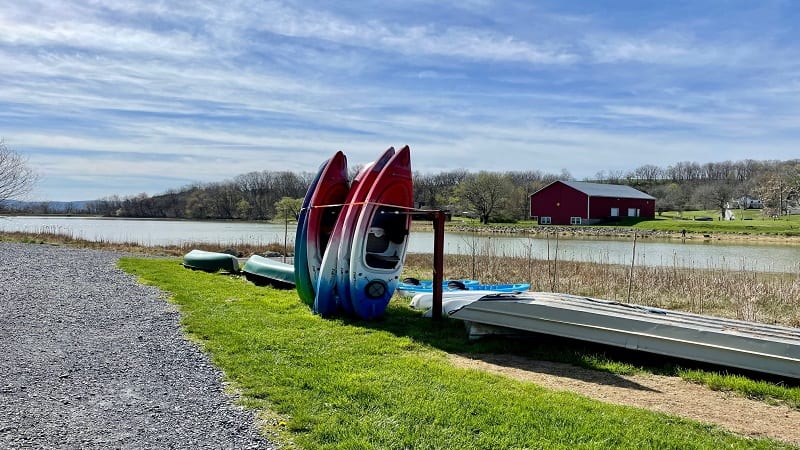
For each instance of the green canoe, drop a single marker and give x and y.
(263, 271)
(211, 261)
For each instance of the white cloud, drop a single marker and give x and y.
(165, 89)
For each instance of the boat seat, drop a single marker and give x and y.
(382, 261)
(377, 240)
(395, 228)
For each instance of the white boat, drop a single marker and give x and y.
(424, 300)
(735, 343)
(451, 305)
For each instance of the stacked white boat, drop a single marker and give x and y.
(746, 345)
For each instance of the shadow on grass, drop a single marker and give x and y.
(450, 335)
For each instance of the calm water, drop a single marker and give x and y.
(708, 254)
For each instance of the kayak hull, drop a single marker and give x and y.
(211, 261)
(409, 289)
(380, 238)
(328, 298)
(323, 210)
(265, 271)
(333, 286)
(302, 277)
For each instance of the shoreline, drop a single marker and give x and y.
(612, 232)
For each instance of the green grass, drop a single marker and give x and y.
(387, 384)
(755, 223)
(760, 390)
(672, 221)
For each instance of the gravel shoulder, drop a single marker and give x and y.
(91, 359)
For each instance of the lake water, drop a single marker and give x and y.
(693, 253)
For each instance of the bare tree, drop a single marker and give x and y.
(779, 186)
(714, 195)
(614, 176)
(16, 178)
(648, 172)
(425, 190)
(485, 192)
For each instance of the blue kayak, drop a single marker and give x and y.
(410, 286)
(410, 290)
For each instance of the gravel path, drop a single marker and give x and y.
(90, 359)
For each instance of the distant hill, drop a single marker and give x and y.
(50, 207)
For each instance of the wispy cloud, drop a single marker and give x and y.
(174, 92)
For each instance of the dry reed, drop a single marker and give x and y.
(747, 295)
(240, 248)
(740, 294)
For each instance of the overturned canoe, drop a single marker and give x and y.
(211, 261)
(746, 345)
(266, 271)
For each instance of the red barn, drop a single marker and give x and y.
(578, 202)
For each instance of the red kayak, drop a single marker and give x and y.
(333, 288)
(380, 238)
(324, 206)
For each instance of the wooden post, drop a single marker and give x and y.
(633, 262)
(438, 264)
(438, 218)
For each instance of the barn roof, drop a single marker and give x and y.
(608, 190)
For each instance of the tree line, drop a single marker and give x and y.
(489, 196)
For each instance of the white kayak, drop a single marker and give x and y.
(425, 299)
(454, 304)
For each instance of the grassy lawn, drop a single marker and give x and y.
(747, 221)
(387, 384)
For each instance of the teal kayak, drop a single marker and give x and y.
(211, 261)
(262, 271)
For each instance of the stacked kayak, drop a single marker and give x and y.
(333, 285)
(380, 238)
(321, 207)
(349, 260)
(211, 261)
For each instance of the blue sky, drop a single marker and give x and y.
(117, 97)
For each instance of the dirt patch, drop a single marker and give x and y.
(670, 395)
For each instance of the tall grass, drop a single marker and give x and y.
(59, 237)
(740, 294)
